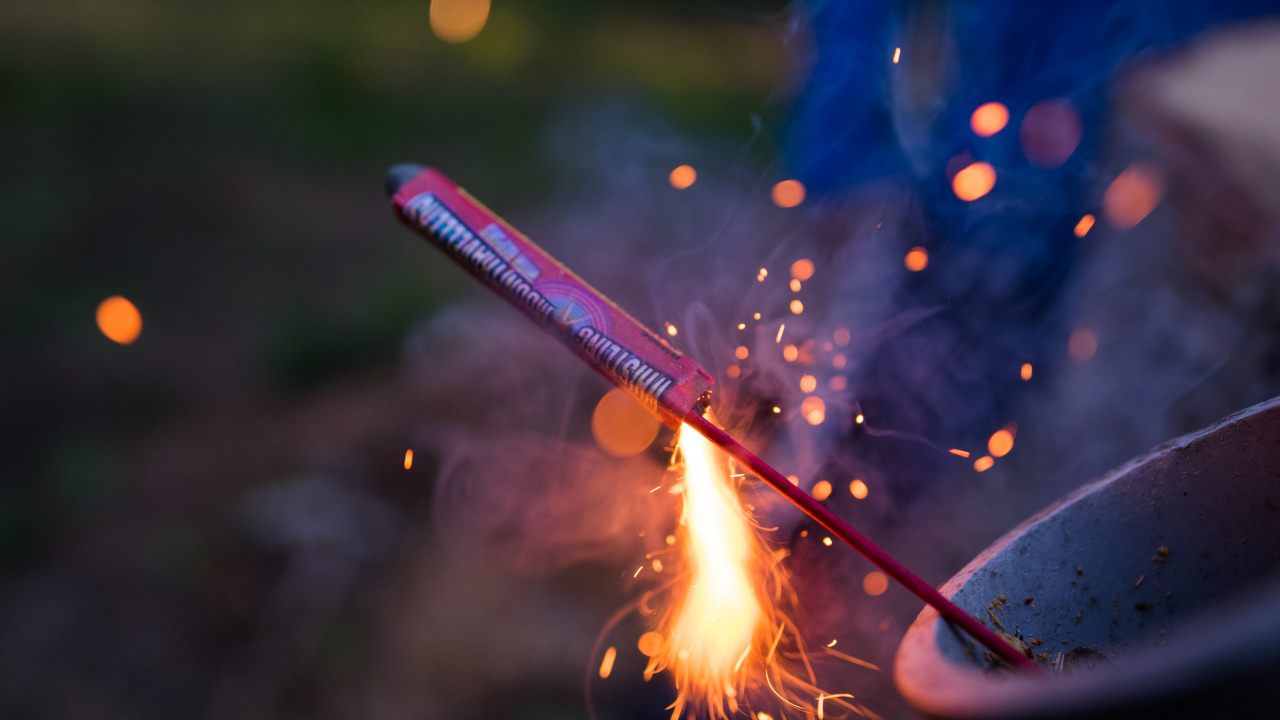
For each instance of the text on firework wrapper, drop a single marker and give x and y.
(427, 212)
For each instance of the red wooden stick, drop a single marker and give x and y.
(630, 355)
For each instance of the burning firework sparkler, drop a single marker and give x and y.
(719, 624)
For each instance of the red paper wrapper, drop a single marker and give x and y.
(627, 353)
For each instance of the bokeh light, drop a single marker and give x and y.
(457, 21)
(650, 643)
(808, 383)
(875, 583)
(1084, 226)
(802, 269)
(788, 193)
(858, 489)
(119, 320)
(621, 426)
(1025, 372)
(984, 463)
(1082, 345)
(814, 410)
(821, 490)
(917, 259)
(989, 119)
(683, 176)
(1050, 132)
(797, 307)
(974, 181)
(1000, 443)
(1132, 195)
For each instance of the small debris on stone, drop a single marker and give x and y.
(1162, 554)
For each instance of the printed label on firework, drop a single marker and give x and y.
(582, 317)
(466, 247)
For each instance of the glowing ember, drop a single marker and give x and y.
(961, 453)
(119, 320)
(1132, 195)
(733, 372)
(802, 269)
(875, 583)
(827, 541)
(797, 307)
(989, 119)
(917, 259)
(788, 193)
(741, 352)
(808, 383)
(457, 21)
(1084, 226)
(859, 418)
(790, 353)
(795, 285)
(1026, 371)
(1000, 444)
(974, 181)
(408, 459)
(983, 463)
(683, 176)
(761, 276)
(1082, 345)
(858, 489)
(897, 55)
(781, 327)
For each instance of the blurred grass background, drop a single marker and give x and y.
(220, 164)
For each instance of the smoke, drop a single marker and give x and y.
(908, 364)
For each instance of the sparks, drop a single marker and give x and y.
(722, 638)
(961, 453)
(781, 327)
(408, 459)
(897, 55)
(721, 550)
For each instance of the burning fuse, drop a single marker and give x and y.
(611, 341)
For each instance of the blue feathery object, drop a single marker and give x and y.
(1004, 260)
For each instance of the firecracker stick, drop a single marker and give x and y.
(669, 384)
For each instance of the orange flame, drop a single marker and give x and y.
(723, 638)
(719, 616)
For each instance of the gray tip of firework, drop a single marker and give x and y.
(401, 174)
